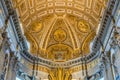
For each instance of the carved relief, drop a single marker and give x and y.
(36, 27)
(59, 52)
(60, 74)
(97, 7)
(83, 26)
(22, 8)
(59, 35)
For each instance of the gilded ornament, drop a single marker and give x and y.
(59, 35)
(83, 26)
(60, 74)
(33, 43)
(87, 41)
(59, 52)
(36, 27)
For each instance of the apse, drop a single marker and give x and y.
(60, 30)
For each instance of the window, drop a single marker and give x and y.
(118, 23)
(1, 21)
(102, 79)
(17, 78)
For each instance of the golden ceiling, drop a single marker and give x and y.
(60, 29)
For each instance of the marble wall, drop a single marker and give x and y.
(117, 61)
(1, 61)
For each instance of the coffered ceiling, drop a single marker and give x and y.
(60, 30)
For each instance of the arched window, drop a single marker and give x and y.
(102, 78)
(17, 78)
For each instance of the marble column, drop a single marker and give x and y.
(1, 62)
(11, 74)
(108, 71)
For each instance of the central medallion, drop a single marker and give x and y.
(59, 35)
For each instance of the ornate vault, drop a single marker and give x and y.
(60, 30)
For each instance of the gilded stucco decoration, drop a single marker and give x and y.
(83, 26)
(86, 44)
(33, 46)
(56, 28)
(36, 27)
(60, 52)
(59, 35)
(60, 74)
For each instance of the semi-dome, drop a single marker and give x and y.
(60, 30)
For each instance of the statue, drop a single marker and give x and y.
(5, 66)
(3, 34)
(116, 37)
(1, 38)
